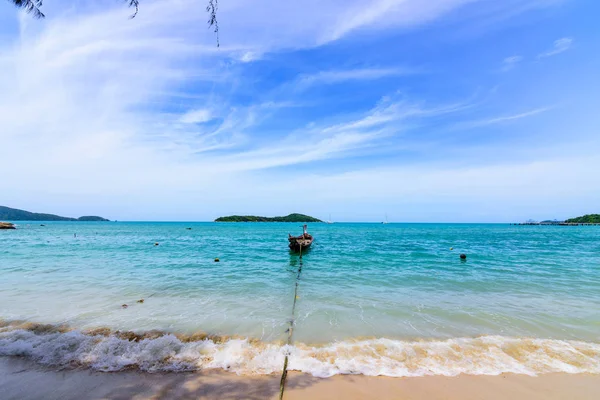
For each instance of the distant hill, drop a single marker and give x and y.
(92, 218)
(13, 214)
(253, 218)
(586, 219)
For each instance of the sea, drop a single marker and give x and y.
(374, 299)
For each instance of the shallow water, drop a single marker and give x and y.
(360, 284)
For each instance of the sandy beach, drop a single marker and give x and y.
(24, 380)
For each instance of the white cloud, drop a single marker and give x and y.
(379, 14)
(500, 120)
(510, 62)
(196, 116)
(389, 118)
(249, 56)
(267, 25)
(516, 116)
(560, 46)
(337, 76)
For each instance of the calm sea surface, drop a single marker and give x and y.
(372, 298)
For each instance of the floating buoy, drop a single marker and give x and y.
(451, 248)
(140, 301)
(156, 244)
(217, 260)
(463, 256)
(124, 306)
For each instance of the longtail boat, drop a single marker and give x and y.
(302, 242)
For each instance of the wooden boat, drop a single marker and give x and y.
(302, 242)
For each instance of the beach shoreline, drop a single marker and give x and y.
(23, 379)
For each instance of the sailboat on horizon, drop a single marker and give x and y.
(329, 221)
(386, 220)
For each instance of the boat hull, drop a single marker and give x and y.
(302, 244)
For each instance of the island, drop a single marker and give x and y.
(585, 219)
(14, 214)
(254, 218)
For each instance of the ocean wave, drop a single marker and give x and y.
(106, 350)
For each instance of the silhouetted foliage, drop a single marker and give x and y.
(211, 9)
(30, 6)
(136, 4)
(33, 7)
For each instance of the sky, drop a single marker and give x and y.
(424, 111)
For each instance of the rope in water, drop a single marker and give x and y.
(290, 331)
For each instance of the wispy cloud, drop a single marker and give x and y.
(390, 117)
(362, 74)
(196, 116)
(381, 14)
(510, 62)
(560, 46)
(503, 119)
(249, 56)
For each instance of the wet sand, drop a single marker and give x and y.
(22, 379)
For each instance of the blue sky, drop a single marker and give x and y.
(445, 110)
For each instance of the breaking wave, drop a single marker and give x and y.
(106, 350)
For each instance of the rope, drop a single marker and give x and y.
(290, 331)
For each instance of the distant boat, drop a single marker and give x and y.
(329, 220)
(302, 242)
(386, 220)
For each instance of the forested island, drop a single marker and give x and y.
(254, 218)
(14, 214)
(585, 219)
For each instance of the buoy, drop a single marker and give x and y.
(451, 248)
(463, 256)
(217, 260)
(124, 306)
(156, 244)
(140, 301)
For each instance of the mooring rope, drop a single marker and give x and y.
(290, 331)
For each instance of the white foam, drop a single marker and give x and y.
(487, 355)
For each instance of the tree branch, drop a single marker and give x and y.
(136, 4)
(33, 7)
(211, 9)
(30, 6)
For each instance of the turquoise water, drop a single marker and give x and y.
(362, 285)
